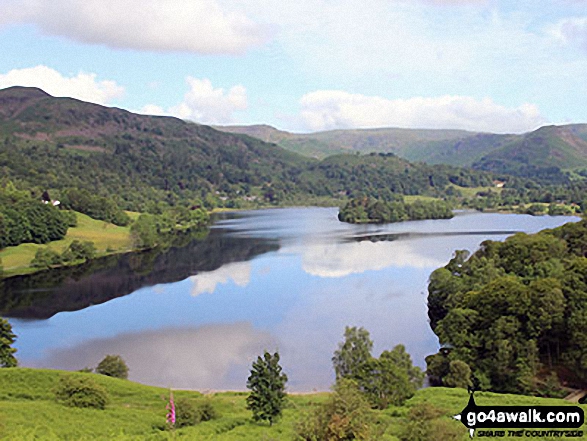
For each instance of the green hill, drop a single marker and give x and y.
(50, 143)
(407, 143)
(28, 411)
(62, 142)
(540, 154)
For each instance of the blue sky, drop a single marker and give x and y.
(309, 65)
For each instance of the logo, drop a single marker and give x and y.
(526, 418)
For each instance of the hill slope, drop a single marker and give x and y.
(28, 410)
(539, 153)
(54, 143)
(533, 154)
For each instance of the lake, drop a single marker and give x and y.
(197, 314)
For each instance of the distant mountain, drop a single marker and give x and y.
(138, 160)
(407, 143)
(540, 153)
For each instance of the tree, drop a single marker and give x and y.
(113, 366)
(391, 379)
(351, 358)
(267, 385)
(459, 375)
(144, 231)
(7, 337)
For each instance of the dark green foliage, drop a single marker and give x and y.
(267, 385)
(7, 338)
(24, 219)
(367, 210)
(95, 206)
(45, 258)
(513, 313)
(392, 379)
(206, 411)
(536, 209)
(345, 416)
(389, 379)
(458, 375)
(113, 366)
(352, 357)
(144, 231)
(185, 413)
(69, 217)
(189, 414)
(79, 251)
(77, 391)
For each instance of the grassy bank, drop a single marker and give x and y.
(28, 410)
(108, 238)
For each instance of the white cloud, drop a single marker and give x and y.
(206, 282)
(198, 26)
(205, 104)
(335, 109)
(216, 356)
(83, 86)
(571, 31)
(152, 109)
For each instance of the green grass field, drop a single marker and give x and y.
(105, 236)
(470, 192)
(29, 411)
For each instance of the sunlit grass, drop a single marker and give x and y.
(106, 237)
(29, 411)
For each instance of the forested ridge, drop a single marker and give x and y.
(512, 316)
(136, 161)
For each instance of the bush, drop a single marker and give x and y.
(206, 411)
(188, 414)
(45, 258)
(81, 392)
(345, 416)
(113, 366)
(79, 251)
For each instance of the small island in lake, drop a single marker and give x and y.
(375, 211)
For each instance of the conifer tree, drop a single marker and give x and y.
(7, 337)
(267, 385)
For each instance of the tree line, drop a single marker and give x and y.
(369, 210)
(511, 317)
(24, 218)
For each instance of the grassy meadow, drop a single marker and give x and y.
(107, 238)
(29, 411)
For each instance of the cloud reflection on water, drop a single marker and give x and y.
(208, 357)
(206, 282)
(344, 258)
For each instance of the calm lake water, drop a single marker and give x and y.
(197, 315)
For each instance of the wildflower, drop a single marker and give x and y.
(171, 410)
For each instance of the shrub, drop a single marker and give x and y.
(188, 414)
(206, 411)
(81, 392)
(113, 366)
(45, 258)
